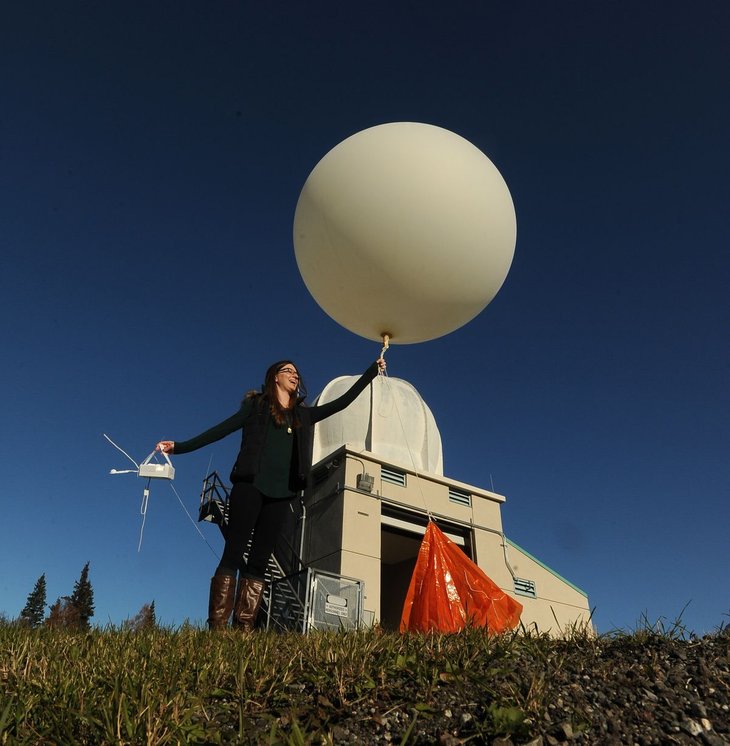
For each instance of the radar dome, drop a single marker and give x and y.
(389, 419)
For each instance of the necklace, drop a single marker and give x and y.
(288, 418)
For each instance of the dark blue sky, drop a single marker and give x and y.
(151, 157)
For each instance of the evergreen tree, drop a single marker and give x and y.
(35, 607)
(82, 598)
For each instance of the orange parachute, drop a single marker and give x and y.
(448, 592)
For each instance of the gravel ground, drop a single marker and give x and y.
(639, 689)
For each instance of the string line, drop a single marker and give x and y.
(408, 448)
(415, 470)
(195, 525)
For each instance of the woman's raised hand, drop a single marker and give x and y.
(381, 364)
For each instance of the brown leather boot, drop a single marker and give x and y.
(248, 601)
(220, 603)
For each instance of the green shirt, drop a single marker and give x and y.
(275, 475)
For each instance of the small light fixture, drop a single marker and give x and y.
(365, 482)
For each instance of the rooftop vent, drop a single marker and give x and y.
(459, 497)
(393, 476)
(525, 587)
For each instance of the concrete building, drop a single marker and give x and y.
(378, 473)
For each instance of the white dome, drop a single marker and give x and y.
(389, 419)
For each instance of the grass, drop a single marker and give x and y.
(165, 686)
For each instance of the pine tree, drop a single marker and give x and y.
(82, 598)
(35, 607)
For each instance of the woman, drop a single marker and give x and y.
(271, 469)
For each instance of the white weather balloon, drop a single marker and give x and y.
(405, 229)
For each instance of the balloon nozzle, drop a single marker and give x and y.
(386, 342)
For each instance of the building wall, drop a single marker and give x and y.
(559, 604)
(343, 532)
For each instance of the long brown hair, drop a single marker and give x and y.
(268, 391)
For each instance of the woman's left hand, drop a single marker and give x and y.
(381, 364)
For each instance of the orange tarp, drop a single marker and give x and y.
(448, 592)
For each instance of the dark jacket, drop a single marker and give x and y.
(254, 421)
(255, 425)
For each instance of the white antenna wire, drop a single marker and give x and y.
(123, 451)
(146, 495)
(143, 512)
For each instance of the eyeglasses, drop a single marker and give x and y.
(288, 371)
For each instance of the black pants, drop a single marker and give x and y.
(271, 521)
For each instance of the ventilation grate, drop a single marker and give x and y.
(393, 476)
(459, 497)
(525, 587)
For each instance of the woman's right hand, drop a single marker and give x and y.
(166, 446)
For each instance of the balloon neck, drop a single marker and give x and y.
(386, 343)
